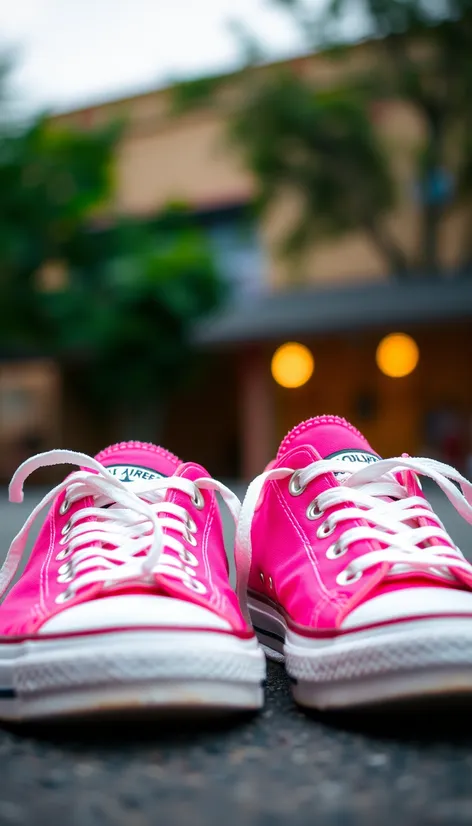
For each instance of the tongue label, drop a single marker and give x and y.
(355, 456)
(134, 473)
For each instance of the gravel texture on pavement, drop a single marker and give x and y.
(278, 767)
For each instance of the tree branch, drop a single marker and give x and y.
(389, 249)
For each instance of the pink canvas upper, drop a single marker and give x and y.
(32, 600)
(289, 566)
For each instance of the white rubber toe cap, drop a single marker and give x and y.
(410, 602)
(133, 611)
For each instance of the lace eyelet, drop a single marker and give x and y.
(294, 488)
(66, 528)
(348, 577)
(191, 539)
(335, 551)
(325, 530)
(198, 500)
(64, 554)
(191, 526)
(189, 558)
(65, 505)
(270, 583)
(313, 510)
(64, 540)
(65, 568)
(262, 577)
(190, 571)
(64, 596)
(195, 585)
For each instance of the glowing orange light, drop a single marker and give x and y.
(397, 355)
(292, 365)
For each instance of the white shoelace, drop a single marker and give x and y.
(122, 536)
(393, 523)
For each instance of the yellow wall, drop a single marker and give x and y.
(185, 160)
(164, 158)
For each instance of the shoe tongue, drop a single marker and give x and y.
(138, 461)
(333, 438)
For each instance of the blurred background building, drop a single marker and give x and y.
(371, 319)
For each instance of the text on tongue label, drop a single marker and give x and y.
(354, 455)
(133, 473)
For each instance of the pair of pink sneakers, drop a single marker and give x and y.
(343, 570)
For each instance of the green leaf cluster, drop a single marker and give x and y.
(112, 299)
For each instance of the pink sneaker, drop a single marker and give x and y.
(351, 575)
(125, 602)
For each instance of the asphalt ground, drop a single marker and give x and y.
(282, 766)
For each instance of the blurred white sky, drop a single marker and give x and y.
(72, 52)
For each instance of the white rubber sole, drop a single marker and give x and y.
(392, 663)
(130, 671)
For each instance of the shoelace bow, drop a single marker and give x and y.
(374, 495)
(122, 536)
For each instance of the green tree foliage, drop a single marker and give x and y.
(109, 298)
(320, 145)
(425, 53)
(128, 306)
(50, 182)
(316, 139)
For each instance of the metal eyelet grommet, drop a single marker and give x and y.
(65, 505)
(191, 539)
(196, 585)
(189, 558)
(325, 530)
(262, 577)
(198, 500)
(270, 583)
(64, 596)
(313, 510)
(66, 528)
(64, 554)
(294, 487)
(191, 526)
(335, 551)
(348, 577)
